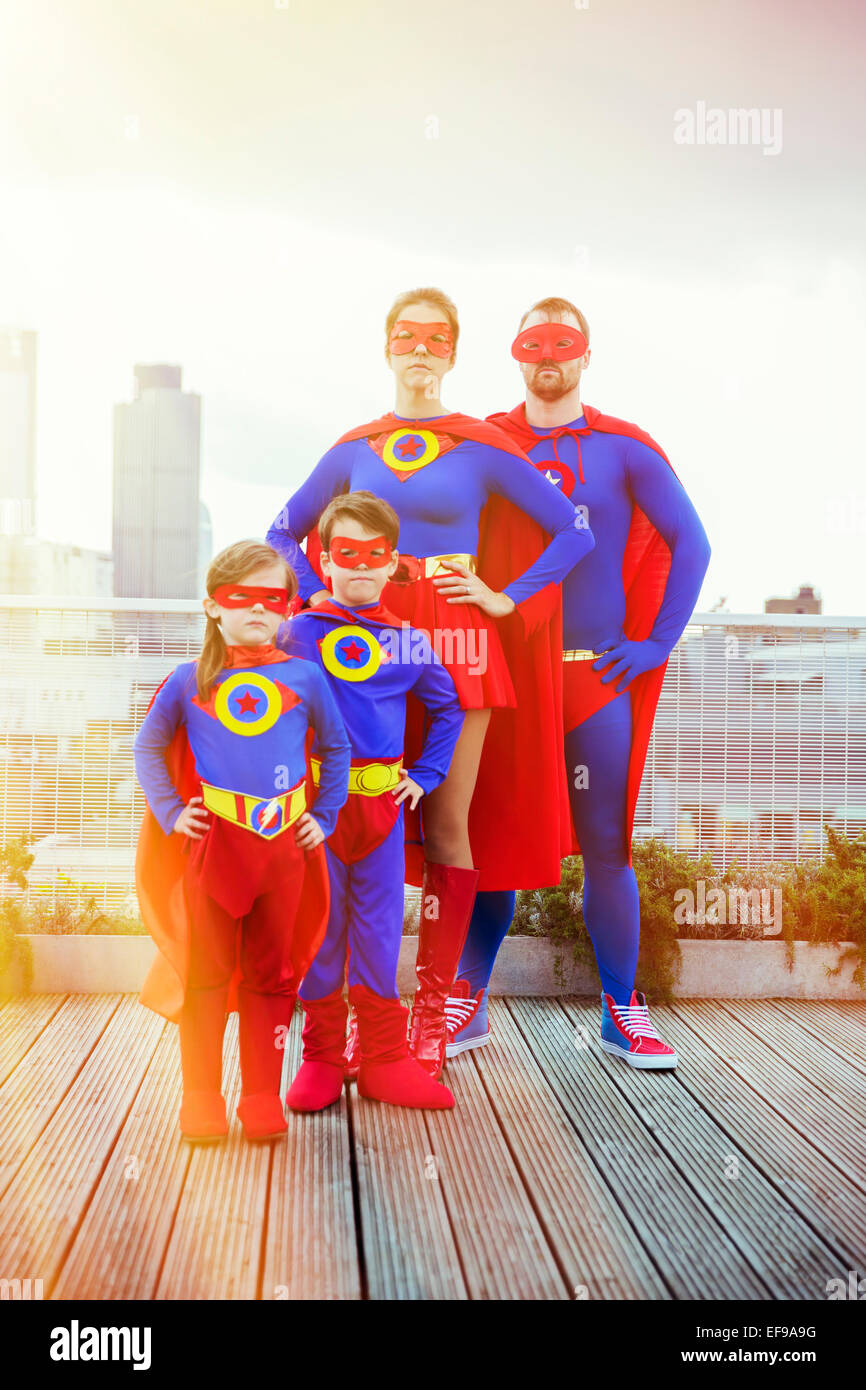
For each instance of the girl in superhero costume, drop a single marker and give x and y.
(440, 471)
(371, 663)
(631, 600)
(230, 869)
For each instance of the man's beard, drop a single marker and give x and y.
(554, 388)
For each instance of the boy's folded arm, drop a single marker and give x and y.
(435, 689)
(332, 747)
(148, 750)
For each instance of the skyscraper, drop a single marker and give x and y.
(17, 432)
(155, 527)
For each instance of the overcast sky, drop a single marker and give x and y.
(242, 186)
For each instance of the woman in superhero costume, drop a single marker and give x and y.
(445, 474)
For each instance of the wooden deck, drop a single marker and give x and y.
(561, 1173)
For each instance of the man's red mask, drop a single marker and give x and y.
(557, 342)
(350, 554)
(245, 595)
(406, 335)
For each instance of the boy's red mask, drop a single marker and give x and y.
(549, 343)
(245, 595)
(426, 333)
(361, 552)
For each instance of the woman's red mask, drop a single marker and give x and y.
(245, 595)
(557, 342)
(350, 554)
(406, 335)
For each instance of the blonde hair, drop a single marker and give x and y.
(438, 299)
(554, 308)
(231, 566)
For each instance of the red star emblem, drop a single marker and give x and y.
(247, 703)
(352, 652)
(408, 448)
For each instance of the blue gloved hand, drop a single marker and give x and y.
(628, 659)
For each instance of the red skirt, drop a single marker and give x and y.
(463, 637)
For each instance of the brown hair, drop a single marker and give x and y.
(555, 307)
(231, 566)
(437, 298)
(370, 511)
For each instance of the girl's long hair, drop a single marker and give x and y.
(231, 566)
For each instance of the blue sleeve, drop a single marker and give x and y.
(332, 746)
(571, 538)
(303, 509)
(151, 742)
(659, 493)
(435, 689)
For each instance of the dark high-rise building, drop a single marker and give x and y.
(156, 482)
(17, 432)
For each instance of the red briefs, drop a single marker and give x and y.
(583, 693)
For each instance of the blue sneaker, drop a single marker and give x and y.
(465, 1019)
(627, 1032)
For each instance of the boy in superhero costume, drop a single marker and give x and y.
(630, 600)
(371, 663)
(231, 874)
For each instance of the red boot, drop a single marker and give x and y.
(203, 1117)
(387, 1071)
(319, 1082)
(202, 1025)
(441, 939)
(352, 1051)
(261, 1115)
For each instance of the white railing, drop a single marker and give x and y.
(759, 739)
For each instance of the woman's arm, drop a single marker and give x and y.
(303, 509)
(571, 537)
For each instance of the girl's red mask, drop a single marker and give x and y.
(436, 338)
(557, 342)
(350, 554)
(245, 595)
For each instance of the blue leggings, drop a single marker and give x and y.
(611, 907)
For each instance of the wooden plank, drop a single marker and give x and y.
(820, 1065)
(311, 1246)
(502, 1245)
(118, 1250)
(839, 1027)
(35, 1089)
(828, 1126)
(693, 1253)
(599, 1254)
(44, 1204)
(775, 1241)
(409, 1249)
(214, 1251)
(805, 1178)
(21, 1021)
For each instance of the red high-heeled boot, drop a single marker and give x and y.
(447, 900)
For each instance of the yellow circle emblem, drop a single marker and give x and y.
(239, 703)
(408, 450)
(351, 653)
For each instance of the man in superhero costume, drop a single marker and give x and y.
(230, 870)
(630, 600)
(371, 662)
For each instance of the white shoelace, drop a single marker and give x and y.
(458, 1012)
(635, 1018)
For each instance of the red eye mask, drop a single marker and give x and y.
(245, 595)
(361, 552)
(425, 333)
(549, 343)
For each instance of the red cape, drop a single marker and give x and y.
(160, 861)
(645, 566)
(520, 819)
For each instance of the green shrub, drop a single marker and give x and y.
(16, 953)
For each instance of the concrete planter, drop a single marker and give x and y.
(526, 966)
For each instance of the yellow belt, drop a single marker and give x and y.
(369, 779)
(266, 818)
(433, 565)
(578, 654)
